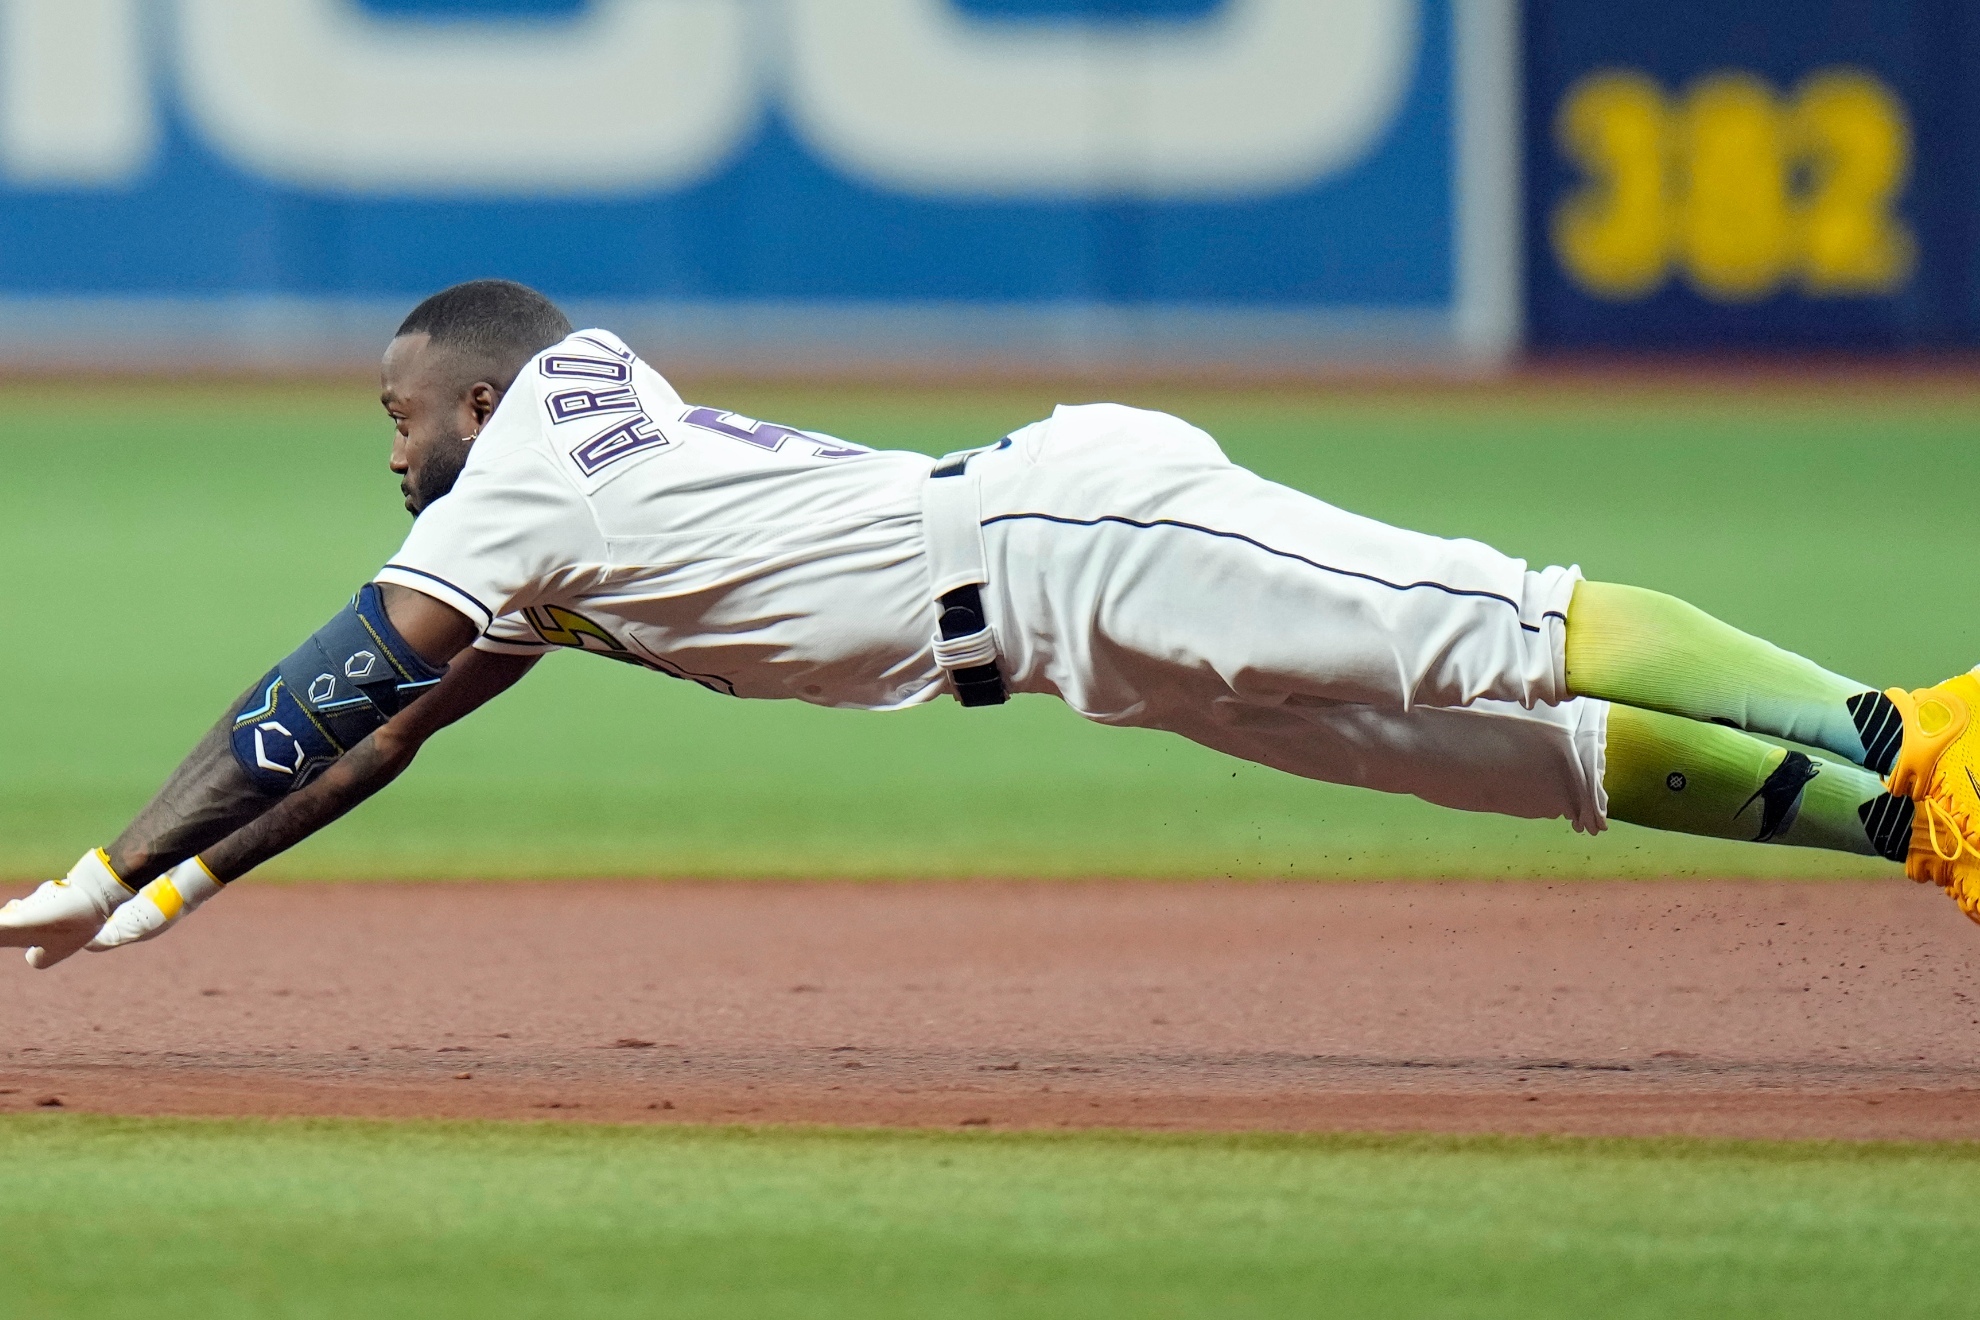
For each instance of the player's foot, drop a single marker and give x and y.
(1958, 876)
(1938, 767)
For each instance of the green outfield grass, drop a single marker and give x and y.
(162, 546)
(161, 1218)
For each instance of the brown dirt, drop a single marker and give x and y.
(1748, 1009)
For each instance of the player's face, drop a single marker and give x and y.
(434, 419)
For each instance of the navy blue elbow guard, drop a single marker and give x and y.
(340, 685)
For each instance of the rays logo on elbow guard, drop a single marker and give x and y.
(354, 674)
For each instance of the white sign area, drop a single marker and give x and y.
(632, 95)
(75, 102)
(1261, 97)
(640, 96)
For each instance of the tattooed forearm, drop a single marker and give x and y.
(207, 798)
(362, 771)
(210, 807)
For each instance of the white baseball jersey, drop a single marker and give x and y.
(600, 511)
(1132, 570)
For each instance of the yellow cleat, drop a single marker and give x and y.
(1938, 767)
(1959, 876)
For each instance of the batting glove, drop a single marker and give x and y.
(158, 907)
(60, 917)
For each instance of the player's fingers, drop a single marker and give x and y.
(41, 958)
(159, 906)
(136, 921)
(18, 916)
(51, 907)
(63, 914)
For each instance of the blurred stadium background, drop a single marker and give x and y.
(1356, 239)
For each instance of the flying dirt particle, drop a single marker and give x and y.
(807, 989)
(50, 1102)
(501, 1035)
(1674, 1054)
(851, 1063)
(842, 1049)
(463, 1077)
(558, 1104)
(210, 993)
(10, 1090)
(974, 1122)
(661, 1104)
(630, 1043)
(998, 1067)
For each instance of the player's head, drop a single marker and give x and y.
(446, 369)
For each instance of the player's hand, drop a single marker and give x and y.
(62, 915)
(158, 907)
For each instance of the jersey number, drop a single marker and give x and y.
(764, 435)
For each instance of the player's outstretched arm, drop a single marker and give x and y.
(233, 780)
(207, 798)
(211, 795)
(474, 679)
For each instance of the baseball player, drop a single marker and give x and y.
(564, 496)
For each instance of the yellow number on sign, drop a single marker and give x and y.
(1736, 226)
(1736, 190)
(1613, 236)
(1858, 147)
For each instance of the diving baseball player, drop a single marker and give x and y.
(564, 496)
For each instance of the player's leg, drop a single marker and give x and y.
(1130, 557)
(1643, 648)
(1543, 763)
(1125, 549)
(1650, 650)
(1584, 760)
(1671, 773)
(1280, 592)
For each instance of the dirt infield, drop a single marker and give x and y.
(1762, 1010)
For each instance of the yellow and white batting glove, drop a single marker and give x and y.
(62, 915)
(158, 907)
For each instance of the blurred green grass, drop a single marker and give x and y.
(163, 1218)
(162, 545)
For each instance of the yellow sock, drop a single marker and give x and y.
(1645, 649)
(1676, 774)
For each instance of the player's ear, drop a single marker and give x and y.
(481, 400)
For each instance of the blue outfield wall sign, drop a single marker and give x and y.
(1044, 178)
(1760, 173)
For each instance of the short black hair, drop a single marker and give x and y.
(495, 325)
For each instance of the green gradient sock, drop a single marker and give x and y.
(1677, 774)
(1643, 648)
